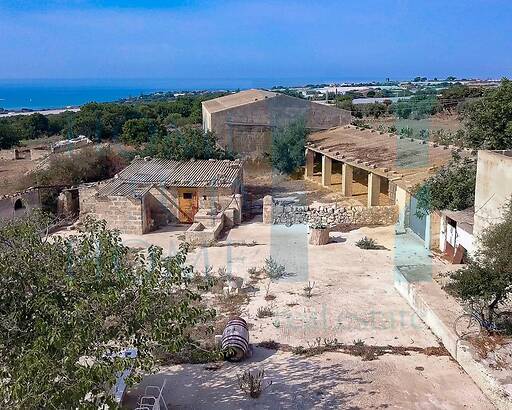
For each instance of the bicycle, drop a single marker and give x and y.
(472, 323)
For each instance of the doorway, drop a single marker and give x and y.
(188, 204)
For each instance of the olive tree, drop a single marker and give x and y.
(69, 305)
(452, 187)
(288, 142)
(489, 120)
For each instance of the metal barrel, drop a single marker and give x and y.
(235, 339)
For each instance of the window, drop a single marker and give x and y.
(187, 195)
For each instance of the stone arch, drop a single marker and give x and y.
(19, 207)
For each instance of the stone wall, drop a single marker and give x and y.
(248, 129)
(159, 207)
(125, 214)
(19, 203)
(275, 212)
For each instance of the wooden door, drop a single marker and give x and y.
(188, 204)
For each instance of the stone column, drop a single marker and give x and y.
(326, 170)
(310, 162)
(347, 177)
(267, 210)
(373, 189)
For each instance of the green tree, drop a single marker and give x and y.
(291, 92)
(140, 130)
(288, 147)
(69, 305)
(87, 165)
(35, 126)
(9, 136)
(452, 187)
(486, 281)
(185, 144)
(489, 120)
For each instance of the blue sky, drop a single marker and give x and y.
(303, 40)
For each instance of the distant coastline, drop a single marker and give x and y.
(24, 97)
(13, 113)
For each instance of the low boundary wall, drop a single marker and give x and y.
(278, 212)
(459, 350)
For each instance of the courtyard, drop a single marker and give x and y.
(352, 302)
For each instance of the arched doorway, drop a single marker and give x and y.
(19, 207)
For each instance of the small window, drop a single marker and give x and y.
(204, 197)
(187, 195)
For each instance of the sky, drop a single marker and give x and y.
(282, 40)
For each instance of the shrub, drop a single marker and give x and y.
(265, 311)
(86, 165)
(486, 281)
(273, 269)
(252, 383)
(308, 289)
(367, 243)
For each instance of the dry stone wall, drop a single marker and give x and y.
(276, 212)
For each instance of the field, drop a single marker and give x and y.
(447, 122)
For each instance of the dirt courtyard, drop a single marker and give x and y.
(353, 300)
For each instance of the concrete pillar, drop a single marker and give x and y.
(373, 189)
(326, 170)
(267, 210)
(347, 178)
(239, 209)
(402, 199)
(310, 162)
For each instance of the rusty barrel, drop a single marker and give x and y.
(235, 339)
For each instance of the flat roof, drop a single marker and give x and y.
(142, 174)
(235, 100)
(405, 161)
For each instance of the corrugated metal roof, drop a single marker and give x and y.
(141, 175)
(116, 187)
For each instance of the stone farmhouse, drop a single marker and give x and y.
(244, 122)
(381, 169)
(151, 193)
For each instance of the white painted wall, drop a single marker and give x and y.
(455, 237)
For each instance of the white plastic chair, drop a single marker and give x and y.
(153, 398)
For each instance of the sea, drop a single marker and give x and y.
(55, 94)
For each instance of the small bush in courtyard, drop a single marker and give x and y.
(273, 269)
(308, 289)
(265, 311)
(367, 243)
(252, 383)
